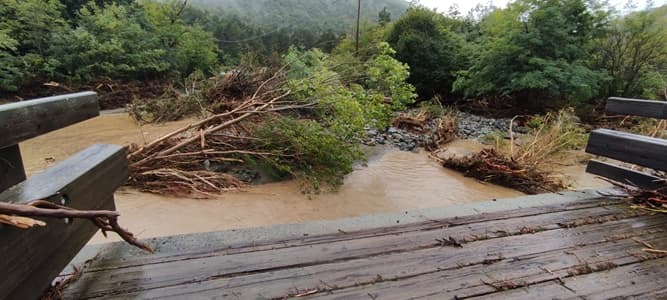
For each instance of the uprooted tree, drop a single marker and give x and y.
(302, 120)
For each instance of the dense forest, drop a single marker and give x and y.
(74, 43)
(538, 52)
(317, 15)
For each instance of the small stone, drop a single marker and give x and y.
(392, 130)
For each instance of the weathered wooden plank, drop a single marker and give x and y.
(624, 175)
(86, 180)
(365, 271)
(507, 273)
(639, 280)
(424, 254)
(637, 107)
(356, 244)
(214, 243)
(11, 167)
(27, 119)
(628, 147)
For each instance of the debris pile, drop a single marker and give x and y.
(522, 162)
(654, 200)
(491, 166)
(444, 133)
(191, 158)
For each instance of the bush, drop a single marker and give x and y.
(433, 53)
(536, 51)
(306, 150)
(347, 107)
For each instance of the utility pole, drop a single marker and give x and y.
(356, 44)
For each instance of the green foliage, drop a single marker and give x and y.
(384, 16)
(535, 50)
(388, 76)
(347, 106)
(9, 71)
(433, 108)
(109, 41)
(634, 53)
(433, 52)
(26, 29)
(119, 39)
(535, 122)
(495, 139)
(318, 15)
(307, 150)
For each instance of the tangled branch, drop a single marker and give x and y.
(650, 199)
(195, 158)
(21, 216)
(491, 166)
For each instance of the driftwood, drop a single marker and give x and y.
(21, 216)
(650, 199)
(444, 133)
(415, 122)
(192, 160)
(491, 166)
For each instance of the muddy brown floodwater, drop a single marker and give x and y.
(392, 181)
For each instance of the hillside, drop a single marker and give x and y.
(337, 15)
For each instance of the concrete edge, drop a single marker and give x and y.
(232, 237)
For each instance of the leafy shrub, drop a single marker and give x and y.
(433, 53)
(535, 51)
(307, 150)
(346, 108)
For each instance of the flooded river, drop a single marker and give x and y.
(392, 181)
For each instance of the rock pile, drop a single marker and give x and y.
(469, 127)
(476, 127)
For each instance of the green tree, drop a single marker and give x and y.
(384, 16)
(535, 50)
(26, 29)
(9, 68)
(109, 41)
(189, 47)
(634, 53)
(432, 51)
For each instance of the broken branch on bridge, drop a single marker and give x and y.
(21, 216)
(650, 199)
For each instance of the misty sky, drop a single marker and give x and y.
(466, 5)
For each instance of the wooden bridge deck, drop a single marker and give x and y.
(554, 247)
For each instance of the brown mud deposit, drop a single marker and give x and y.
(392, 181)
